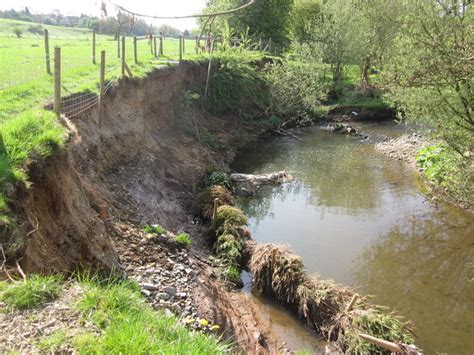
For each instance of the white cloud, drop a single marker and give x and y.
(92, 7)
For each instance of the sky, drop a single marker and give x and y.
(92, 7)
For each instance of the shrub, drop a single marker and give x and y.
(215, 176)
(154, 229)
(18, 32)
(230, 216)
(232, 275)
(37, 29)
(296, 89)
(34, 291)
(205, 200)
(184, 239)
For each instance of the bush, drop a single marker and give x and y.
(18, 32)
(205, 200)
(215, 176)
(231, 216)
(184, 239)
(37, 29)
(296, 89)
(236, 86)
(34, 291)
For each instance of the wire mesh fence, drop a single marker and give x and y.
(27, 66)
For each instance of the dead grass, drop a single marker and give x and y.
(323, 304)
(205, 199)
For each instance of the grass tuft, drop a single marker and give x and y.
(229, 215)
(184, 239)
(154, 229)
(36, 290)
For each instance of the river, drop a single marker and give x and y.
(360, 218)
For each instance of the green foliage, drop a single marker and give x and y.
(236, 86)
(264, 19)
(296, 88)
(232, 275)
(154, 229)
(449, 171)
(184, 239)
(215, 176)
(18, 32)
(51, 343)
(130, 326)
(35, 291)
(231, 216)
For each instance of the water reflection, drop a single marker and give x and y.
(357, 217)
(425, 268)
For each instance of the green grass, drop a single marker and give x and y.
(155, 229)
(130, 326)
(184, 239)
(52, 343)
(34, 291)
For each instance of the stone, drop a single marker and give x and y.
(149, 286)
(146, 293)
(170, 290)
(163, 296)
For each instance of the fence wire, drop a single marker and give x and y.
(26, 78)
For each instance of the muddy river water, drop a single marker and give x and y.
(360, 218)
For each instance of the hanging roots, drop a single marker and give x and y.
(330, 309)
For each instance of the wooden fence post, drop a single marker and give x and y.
(161, 43)
(123, 56)
(180, 48)
(184, 45)
(118, 44)
(154, 46)
(102, 86)
(57, 81)
(46, 51)
(197, 44)
(270, 45)
(135, 49)
(93, 46)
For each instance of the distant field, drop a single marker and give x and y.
(23, 78)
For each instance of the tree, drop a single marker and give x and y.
(265, 19)
(18, 32)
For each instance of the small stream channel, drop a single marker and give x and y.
(360, 218)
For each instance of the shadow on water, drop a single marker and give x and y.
(358, 217)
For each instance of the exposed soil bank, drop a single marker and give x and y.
(137, 166)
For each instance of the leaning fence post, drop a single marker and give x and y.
(46, 51)
(135, 50)
(180, 48)
(118, 44)
(102, 86)
(161, 43)
(57, 81)
(93, 46)
(154, 46)
(123, 56)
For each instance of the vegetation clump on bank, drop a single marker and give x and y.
(327, 307)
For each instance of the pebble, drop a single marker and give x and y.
(146, 293)
(170, 290)
(163, 296)
(149, 286)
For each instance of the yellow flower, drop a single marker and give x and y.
(215, 327)
(203, 322)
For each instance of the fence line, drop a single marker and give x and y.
(67, 72)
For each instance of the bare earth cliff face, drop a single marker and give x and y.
(136, 166)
